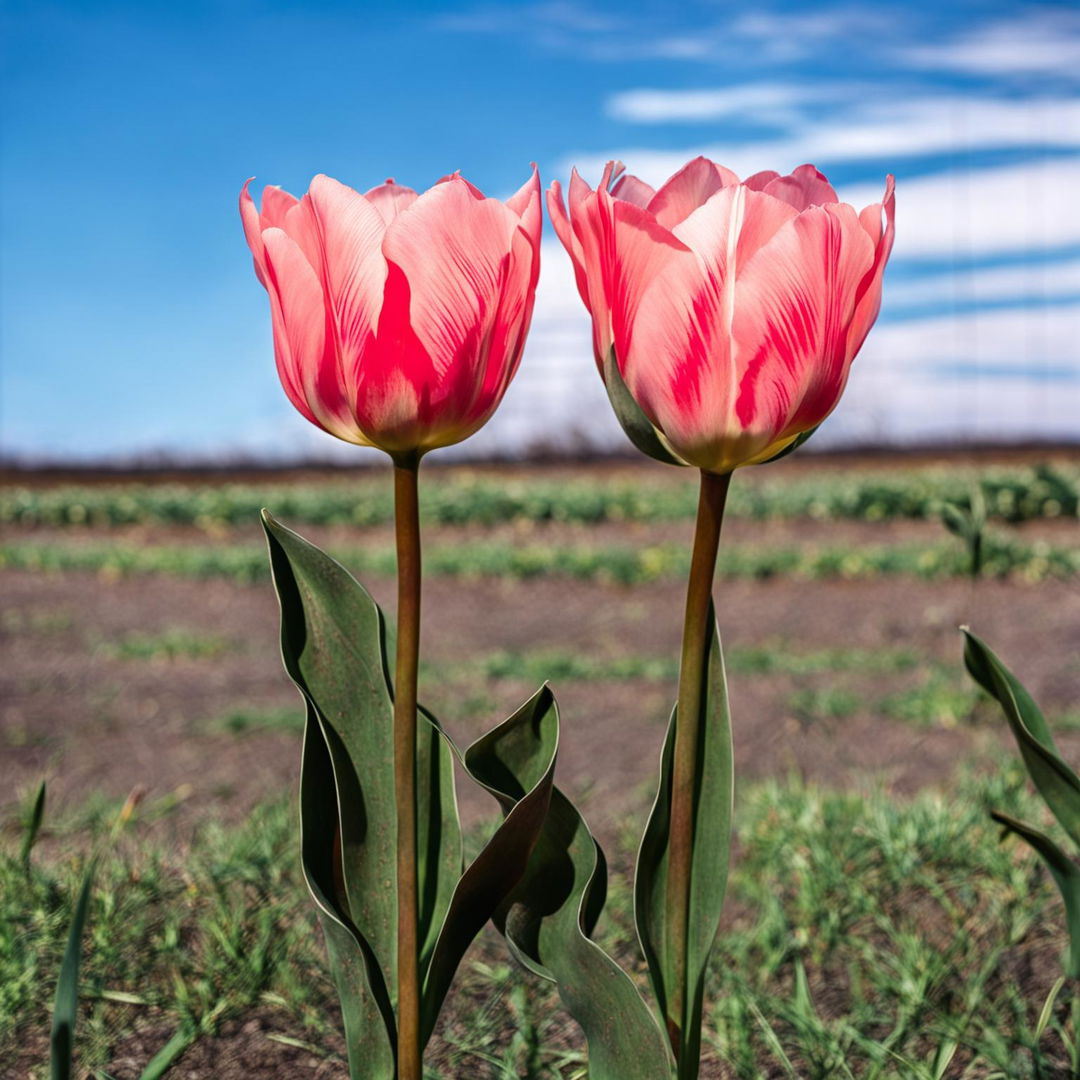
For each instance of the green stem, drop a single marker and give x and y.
(407, 530)
(693, 673)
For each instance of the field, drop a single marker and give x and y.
(875, 927)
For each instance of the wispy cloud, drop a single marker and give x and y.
(675, 33)
(765, 102)
(886, 128)
(969, 214)
(1040, 42)
(792, 35)
(1029, 284)
(985, 374)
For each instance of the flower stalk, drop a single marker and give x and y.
(407, 532)
(693, 674)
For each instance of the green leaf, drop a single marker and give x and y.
(708, 870)
(549, 916)
(66, 1007)
(333, 639)
(335, 647)
(634, 422)
(167, 1056)
(1056, 782)
(1064, 871)
(516, 763)
(367, 1012)
(33, 827)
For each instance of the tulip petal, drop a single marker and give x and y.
(632, 190)
(645, 249)
(276, 203)
(688, 189)
(760, 180)
(796, 298)
(565, 232)
(736, 222)
(393, 395)
(308, 368)
(353, 268)
(249, 217)
(390, 199)
(805, 187)
(868, 299)
(468, 309)
(453, 297)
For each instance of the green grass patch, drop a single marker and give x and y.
(174, 643)
(778, 658)
(250, 721)
(453, 497)
(865, 934)
(28, 623)
(624, 565)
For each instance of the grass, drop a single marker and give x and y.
(619, 564)
(865, 937)
(173, 643)
(456, 496)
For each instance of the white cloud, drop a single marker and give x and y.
(885, 129)
(1040, 43)
(972, 213)
(767, 101)
(672, 33)
(791, 35)
(1030, 283)
(986, 375)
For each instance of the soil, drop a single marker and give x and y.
(92, 723)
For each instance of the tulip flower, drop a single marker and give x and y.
(399, 319)
(726, 315)
(731, 311)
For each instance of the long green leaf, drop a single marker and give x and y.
(1064, 871)
(634, 422)
(333, 640)
(517, 766)
(167, 1056)
(548, 918)
(335, 646)
(33, 826)
(708, 870)
(66, 1007)
(1056, 782)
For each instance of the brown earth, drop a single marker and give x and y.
(94, 723)
(89, 722)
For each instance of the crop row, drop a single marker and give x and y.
(244, 563)
(1012, 494)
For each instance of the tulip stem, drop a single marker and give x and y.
(407, 529)
(693, 676)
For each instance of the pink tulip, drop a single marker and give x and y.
(399, 319)
(733, 309)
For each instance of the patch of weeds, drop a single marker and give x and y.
(34, 623)
(174, 643)
(940, 700)
(816, 703)
(248, 721)
(865, 936)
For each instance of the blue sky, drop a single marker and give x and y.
(132, 322)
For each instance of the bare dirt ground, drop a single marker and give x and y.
(94, 722)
